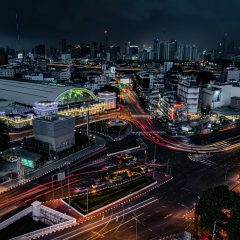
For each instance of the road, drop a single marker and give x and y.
(142, 121)
(164, 216)
(171, 201)
(176, 198)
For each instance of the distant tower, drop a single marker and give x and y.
(156, 49)
(224, 43)
(18, 34)
(63, 46)
(127, 48)
(106, 43)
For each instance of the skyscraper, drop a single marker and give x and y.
(167, 50)
(94, 50)
(115, 51)
(156, 49)
(187, 52)
(63, 46)
(40, 50)
(127, 48)
(171, 50)
(106, 41)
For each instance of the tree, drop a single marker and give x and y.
(221, 205)
(4, 137)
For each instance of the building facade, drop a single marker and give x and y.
(56, 130)
(188, 93)
(109, 98)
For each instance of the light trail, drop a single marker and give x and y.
(146, 125)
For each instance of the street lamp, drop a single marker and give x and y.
(214, 228)
(52, 185)
(87, 200)
(154, 158)
(136, 229)
(67, 163)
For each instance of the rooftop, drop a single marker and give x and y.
(226, 111)
(54, 118)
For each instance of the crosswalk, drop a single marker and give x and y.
(203, 159)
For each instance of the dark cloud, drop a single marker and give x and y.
(194, 21)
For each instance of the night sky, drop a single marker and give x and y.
(202, 22)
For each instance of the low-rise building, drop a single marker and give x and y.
(170, 108)
(188, 93)
(167, 66)
(109, 98)
(231, 74)
(57, 131)
(235, 102)
(145, 80)
(61, 74)
(66, 58)
(215, 96)
(7, 71)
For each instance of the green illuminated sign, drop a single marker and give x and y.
(27, 163)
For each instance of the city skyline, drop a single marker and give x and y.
(120, 120)
(186, 21)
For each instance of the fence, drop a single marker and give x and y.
(15, 218)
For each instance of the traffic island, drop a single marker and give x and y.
(93, 201)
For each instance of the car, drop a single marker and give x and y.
(79, 190)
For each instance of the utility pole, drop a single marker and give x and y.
(87, 119)
(87, 200)
(145, 152)
(170, 172)
(154, 160)
(168, 165)
(68, 184)
(61, 183)
(136, 229)
(214, 229)
(52, 186)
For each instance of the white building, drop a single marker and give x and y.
(7, 71)
(110, 73)
(188, 92)
(62, 74)
(66, 58)
(167, 66)
(231, 75)
(95, 82)
(38, 77)
(216, 96)
(109, 98)
(45, 108)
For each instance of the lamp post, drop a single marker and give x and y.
(214, 228)
(68, 183)
(136, 229)
(52, 185)
(87, 200)
(154, 158)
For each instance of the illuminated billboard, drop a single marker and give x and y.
(27, 163)
(125, 80)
